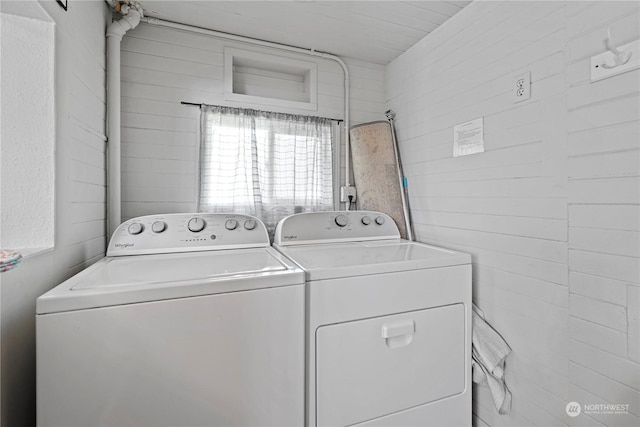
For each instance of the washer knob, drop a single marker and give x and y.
(196, 224)
(231, 224)
(341, 220)
(135, 228)
(379, 220)
(250, 224)
(366, 220)
(158, 226)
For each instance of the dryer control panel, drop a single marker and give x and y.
(155, 234)
(335, 226)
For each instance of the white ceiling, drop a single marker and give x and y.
(374, 31)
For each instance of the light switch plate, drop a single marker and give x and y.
(600, 72)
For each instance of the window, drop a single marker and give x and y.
(265, 164)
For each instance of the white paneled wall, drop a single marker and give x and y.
(603, 145)
(549, 211)
(162, 67)
(80, 195)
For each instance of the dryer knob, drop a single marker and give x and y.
(366, 220)
(196, 224)
(250, 224)
(380, 220)
(341, 220)
(231, 224)
(135, 228)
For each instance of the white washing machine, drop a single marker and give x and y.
(190, 320)
(388, 322)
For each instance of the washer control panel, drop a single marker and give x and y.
(335, 226)
(154, 234)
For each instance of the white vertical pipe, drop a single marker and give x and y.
(113, 134)
(115, 32)
(273, 45)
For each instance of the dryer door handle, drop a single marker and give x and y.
(390, 330)
(398, 334)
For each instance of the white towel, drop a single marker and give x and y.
(488, 352)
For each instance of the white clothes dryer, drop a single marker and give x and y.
(190, 320)
(388, 322)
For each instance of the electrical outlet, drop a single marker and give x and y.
(522, 87)
(345, 192)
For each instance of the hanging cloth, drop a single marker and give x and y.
(488, 353)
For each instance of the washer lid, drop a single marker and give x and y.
(328, 261)
(132, 270)
(142, 278)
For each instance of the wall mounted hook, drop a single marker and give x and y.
(620, 57)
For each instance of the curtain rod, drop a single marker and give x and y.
(193, 104)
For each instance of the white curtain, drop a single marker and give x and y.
(265, 164)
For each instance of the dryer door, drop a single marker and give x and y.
(369, 368)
